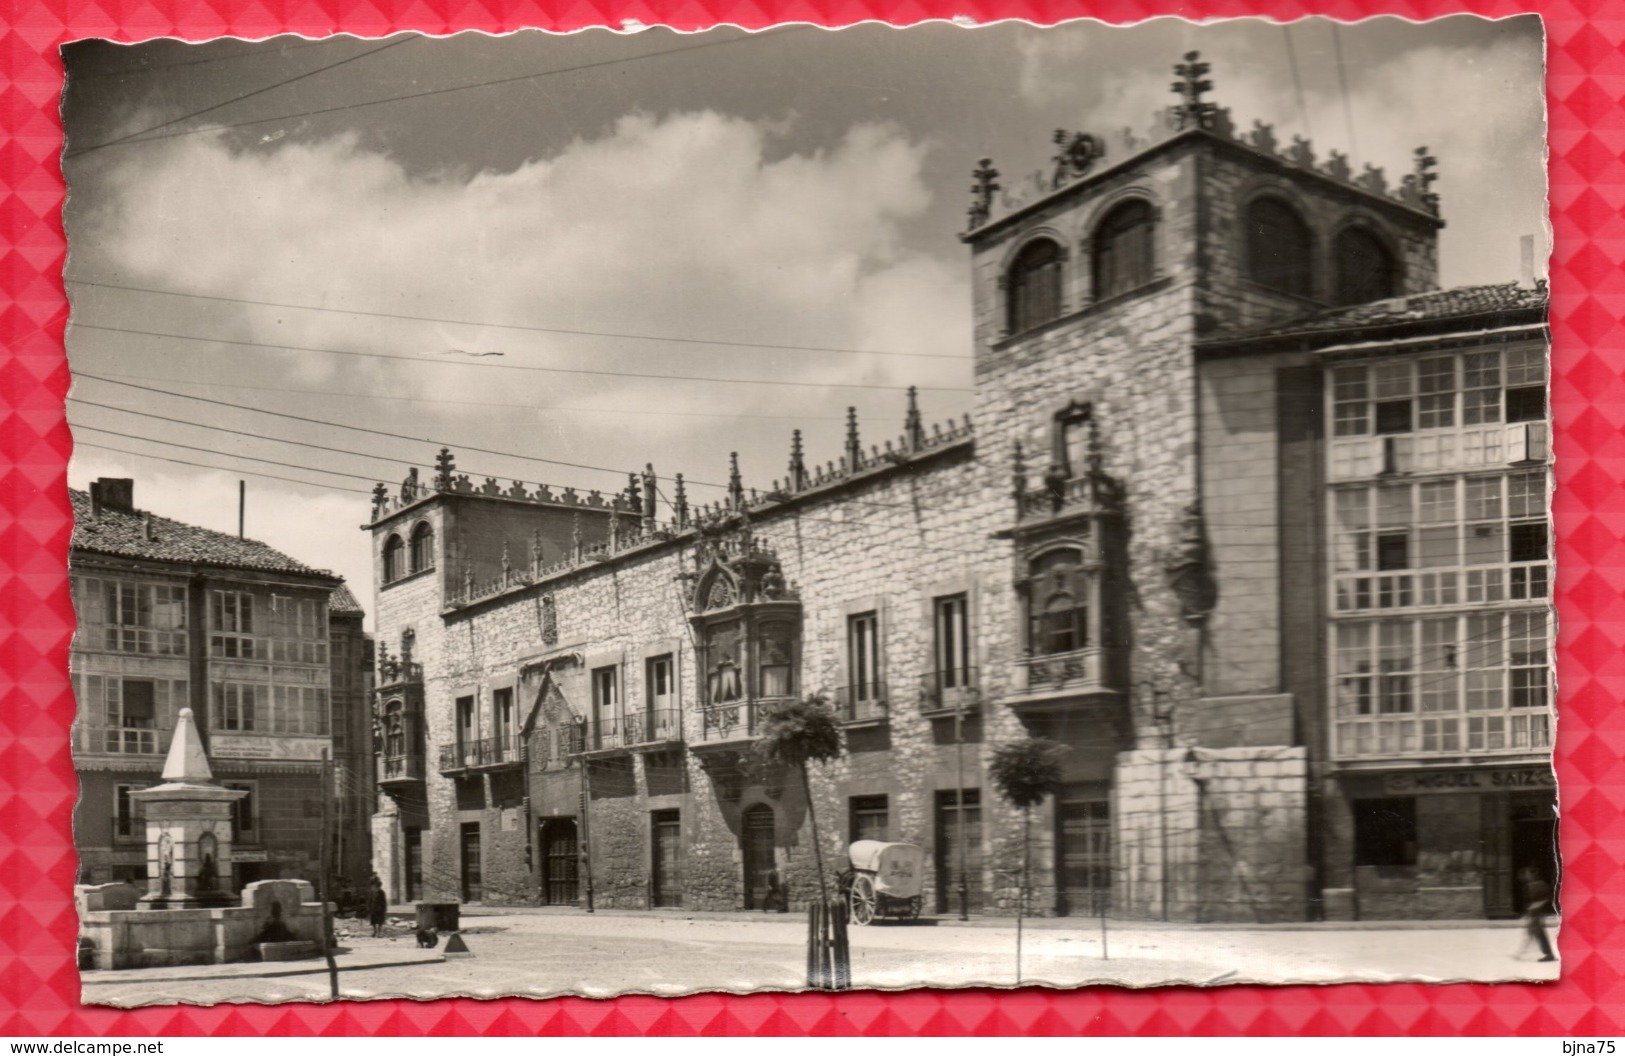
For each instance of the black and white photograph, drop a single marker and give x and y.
(947, 506)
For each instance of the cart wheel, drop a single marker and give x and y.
(914, 905)
(863, 900)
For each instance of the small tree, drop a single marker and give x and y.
(1025, 772)
(795, 734)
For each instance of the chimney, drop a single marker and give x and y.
(113, 493)
(146, 527)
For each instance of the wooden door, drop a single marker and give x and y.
(560, 862)
(473, 890)
(1500, 898)
(666, 845)
(1083, 852)
(948, 850)
(756, 843)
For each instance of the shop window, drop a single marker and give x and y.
(394, 563)
(868, 818)
(1365, 269)
(1123, 249)
(1033, 286)
(1278, 247)
(1385, 831)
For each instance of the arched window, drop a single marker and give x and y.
(1278, 247)
(393, 551)
(1033, 286)
(1122, 250)
(1057, 604)
(422, 547)
(1365, 268)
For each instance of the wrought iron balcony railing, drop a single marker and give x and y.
(492, 751)
(862, 702)
(1058, 671)
(629, 731)
(954, 689)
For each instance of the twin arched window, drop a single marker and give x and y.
(422, 547)
(394, 553)
(1364, 268)
(1123, 260)
(1279, 247)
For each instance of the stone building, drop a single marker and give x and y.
(1130, 546)
(261, 647)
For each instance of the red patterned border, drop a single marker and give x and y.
(39, 985)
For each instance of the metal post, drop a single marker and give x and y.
(586, 833)
(321, 877)
(959, 817)
(1162, 803)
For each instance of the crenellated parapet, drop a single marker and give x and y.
(1083, 154)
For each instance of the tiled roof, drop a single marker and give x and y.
(123, 534)
(1462, 302)
(343, 602)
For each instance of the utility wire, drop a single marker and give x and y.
(524, 327)
(458, 88)
(520, 366)
(237, 99)
(1297, 81)
(259, 53)
(232, 454)
(1343, 84)
(223, 469)
(489, 404)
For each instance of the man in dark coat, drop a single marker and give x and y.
(377, 907)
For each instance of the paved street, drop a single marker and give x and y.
(542, 953)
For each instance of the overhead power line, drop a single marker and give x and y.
(222, 469)
(525, 327)
(136, 71)
(442, 91)
(229, 454)
(237, 99)
(520, 366)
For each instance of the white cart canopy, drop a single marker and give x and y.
(899, 868)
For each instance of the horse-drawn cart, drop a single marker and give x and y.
(886, 880)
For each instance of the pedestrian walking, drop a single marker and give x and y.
(377, 907)
(1537, 901)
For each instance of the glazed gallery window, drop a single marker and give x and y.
(134, 713)
(1363, 267)
(1278, 248)
(1033, 286)
(1479, 539)
(1439, 392)
(297, 710)
(236, 705)
(298, 630)
(126, 617)
(231, 624)
(1122, 250)
(1057, 604)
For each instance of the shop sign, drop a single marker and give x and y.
(1424, 781)
(250, 856)
(254, 746)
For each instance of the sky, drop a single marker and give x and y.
(308, 264)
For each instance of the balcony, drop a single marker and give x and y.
(1058, 680)
(1437, 736)
(633, 732)
(865, 703)
(735, 724)
(476, 755)
(395, 672)
(1093, 493)
(952, 692)
(395, 770)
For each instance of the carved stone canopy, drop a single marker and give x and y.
(732, 569)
